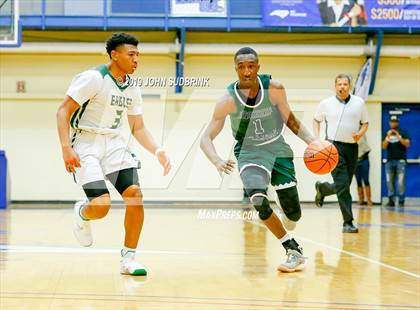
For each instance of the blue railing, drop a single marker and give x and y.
(155, 15)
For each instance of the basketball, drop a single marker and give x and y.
(321, 157)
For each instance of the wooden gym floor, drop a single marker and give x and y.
(213, 263)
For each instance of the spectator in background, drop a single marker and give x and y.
(362, 173)
(395, 143)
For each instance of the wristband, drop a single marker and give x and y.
(159, 150)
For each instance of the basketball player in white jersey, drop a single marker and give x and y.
(96, 103)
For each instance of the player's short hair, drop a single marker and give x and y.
(343, 76)
(118, 39)
(246, 51)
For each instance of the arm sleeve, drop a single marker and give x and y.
(85, 86)
(137, 107)
(320, 112)
(364, 117)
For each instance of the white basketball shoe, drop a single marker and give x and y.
(131, 267)
(81, 229)
(295, 262)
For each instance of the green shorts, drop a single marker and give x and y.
(276, 158)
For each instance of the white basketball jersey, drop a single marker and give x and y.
(103, 101)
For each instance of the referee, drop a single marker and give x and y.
(346, 122)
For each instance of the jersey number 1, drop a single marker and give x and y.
(258, 127)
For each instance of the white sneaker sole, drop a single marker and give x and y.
(290, 270)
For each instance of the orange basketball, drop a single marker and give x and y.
(321, 157)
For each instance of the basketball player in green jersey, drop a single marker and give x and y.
(258, 109)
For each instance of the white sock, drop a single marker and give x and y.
(285, 238)
(128, 252)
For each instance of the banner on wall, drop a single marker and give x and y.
(198, 8)
(339, 13)
(362, 85)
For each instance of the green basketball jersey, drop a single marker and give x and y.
(259, 124)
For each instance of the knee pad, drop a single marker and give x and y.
(289, 202)
(255, 180)
(262, 205)
(95, 189)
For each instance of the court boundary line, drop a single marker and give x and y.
(60, 249)
(268, 301)
(370, 260)
(92, 250)
(202, 303)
